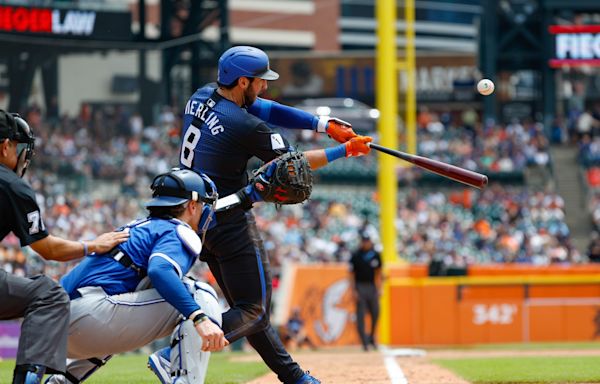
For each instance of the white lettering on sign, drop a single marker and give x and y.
(439, 78)
(578, 46)
(78, 23)
(494, 313)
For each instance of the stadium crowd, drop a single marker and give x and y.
(92, 171)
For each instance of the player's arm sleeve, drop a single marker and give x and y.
(166, 280)
(282, 115)
(265, 143)
(29, 226)
(169, 262)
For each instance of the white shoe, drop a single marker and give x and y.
(159, 362)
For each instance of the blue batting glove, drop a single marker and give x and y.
(252, 193)
(264, 178)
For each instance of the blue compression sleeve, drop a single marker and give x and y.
(335, 153)
(282, 115)
(166, 281)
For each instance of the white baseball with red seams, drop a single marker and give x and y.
(485, 87)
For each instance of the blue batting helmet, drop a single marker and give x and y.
(180, 185)
(244, 61)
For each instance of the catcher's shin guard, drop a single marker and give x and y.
(188, 362)
(206, 297)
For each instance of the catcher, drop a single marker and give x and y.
(226, 124)
(114, 310)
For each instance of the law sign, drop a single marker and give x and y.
(71, 23)
(575, 45)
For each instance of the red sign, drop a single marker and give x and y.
(576, 45)
(44, 20)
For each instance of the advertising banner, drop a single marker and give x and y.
(69, 23)
(9, 339)
(323, 295)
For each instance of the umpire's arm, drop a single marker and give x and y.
(59, 249)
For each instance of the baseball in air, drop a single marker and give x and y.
(485, 87)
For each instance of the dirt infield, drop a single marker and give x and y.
(353, 366)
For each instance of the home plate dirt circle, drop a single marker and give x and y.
(354, 366)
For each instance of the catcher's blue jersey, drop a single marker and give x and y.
(220, 138)
(148, 238)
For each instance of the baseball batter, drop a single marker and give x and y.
(226, 124)
(111, 312)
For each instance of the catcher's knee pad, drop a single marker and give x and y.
(188, 363)
(206, 297)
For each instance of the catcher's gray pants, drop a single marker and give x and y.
(44, 305)
(103, 325)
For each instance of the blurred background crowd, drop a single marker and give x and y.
(92, 173)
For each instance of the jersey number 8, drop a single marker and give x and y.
(190, 140)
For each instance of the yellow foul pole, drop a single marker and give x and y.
(387, 103)
(411, 93)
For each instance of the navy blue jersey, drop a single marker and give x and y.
(219, 139)
(152, 237)
(20, 212)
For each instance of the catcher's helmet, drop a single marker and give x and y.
(244, 61)
(14, 127)
(180, 185)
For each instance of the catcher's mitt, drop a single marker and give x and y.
(285, 180)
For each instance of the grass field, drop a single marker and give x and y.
(131, 369)
(482, 364)
(562, 369)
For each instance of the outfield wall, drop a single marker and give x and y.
(493, 304)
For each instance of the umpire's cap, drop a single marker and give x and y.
(244, 61)
(180, 185)
(14, 127)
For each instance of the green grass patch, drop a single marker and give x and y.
(564, 369)
(586, 345)
(131, 369)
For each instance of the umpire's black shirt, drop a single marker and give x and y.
(19, 211)
(364, 264)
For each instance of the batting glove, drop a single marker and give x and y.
(249, 194)
(339, 130)
(358, 146)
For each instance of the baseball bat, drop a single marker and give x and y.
(449, 171)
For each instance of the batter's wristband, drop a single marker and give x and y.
(322, 123)
(335, 153)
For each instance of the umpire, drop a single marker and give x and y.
(42, 302)
(226, 124)
(366, 269)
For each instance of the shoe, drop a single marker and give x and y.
(159, 362)
(372, 342)
(308, 379)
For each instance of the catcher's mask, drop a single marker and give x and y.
(13, 127)
(180, 185)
